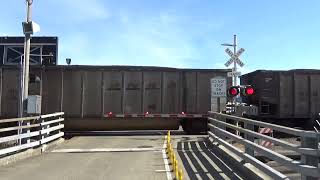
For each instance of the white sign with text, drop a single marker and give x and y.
(218, 87)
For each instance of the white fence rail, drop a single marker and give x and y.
(30, 132)
(221, 128)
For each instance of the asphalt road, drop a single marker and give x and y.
(95, 157)
(125, 155)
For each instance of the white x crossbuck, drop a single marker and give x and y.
(234, 57)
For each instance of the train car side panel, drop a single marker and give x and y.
(113, 92)
(152, 92)
(204, 91)
(92, 94)
(51, 91)
(10, 94)
(133, 92)
(314, 94)
(170, 93)
(189, 94)
(72, 93)
(301, 95)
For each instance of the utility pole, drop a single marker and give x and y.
(26, 60)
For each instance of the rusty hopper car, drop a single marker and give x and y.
(116, 97)
(285, 97)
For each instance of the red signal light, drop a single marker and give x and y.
(248, 91)
(233, 91)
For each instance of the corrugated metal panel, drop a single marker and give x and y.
(113, 90)
(1, 91)
(190, 92)
(301, 95)
(10, 93)
(133, 92)
(204, 91)
(290, 94)
(286, 95)
(152, 92)
(84, 92)
(51, 91)
(72, 93)
(170, 92)
(92, 94)
(315, 93)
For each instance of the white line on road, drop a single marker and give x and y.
(105, 150)
(165, 160)
(161, 170)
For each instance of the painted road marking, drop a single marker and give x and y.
(105, 150)
(165, 159)
(162, 170)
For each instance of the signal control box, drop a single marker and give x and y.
(34, 105)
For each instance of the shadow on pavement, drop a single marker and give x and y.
(200, 150)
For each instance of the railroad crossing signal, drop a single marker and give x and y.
(234, 57)
(245, 90)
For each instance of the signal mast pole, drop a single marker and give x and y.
(26, 61)
(234, 62)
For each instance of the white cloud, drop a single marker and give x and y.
(72, 11)
(163, 39)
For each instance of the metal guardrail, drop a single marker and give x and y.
(308, 150)
(31, 131)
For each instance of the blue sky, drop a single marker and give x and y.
(277, 34)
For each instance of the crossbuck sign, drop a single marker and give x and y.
(234, 57)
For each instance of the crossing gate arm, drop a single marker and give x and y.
(308, 166)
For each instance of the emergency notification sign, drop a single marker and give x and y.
(218, 87)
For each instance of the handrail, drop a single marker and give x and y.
(263, 167)
(309, 151)
(292, 147)
(292, 131)
(46, 128)
(19, 119)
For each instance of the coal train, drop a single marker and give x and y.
(290, 98)
(99, 98)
